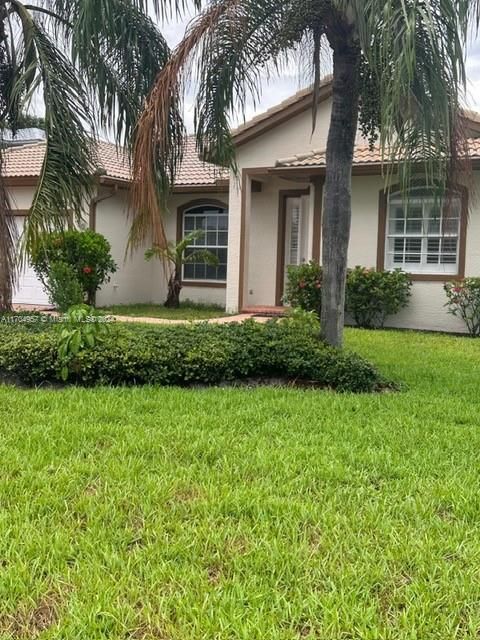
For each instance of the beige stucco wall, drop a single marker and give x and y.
(136, 280)
(133, 280)
(426, 310)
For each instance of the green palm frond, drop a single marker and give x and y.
(69, 165)
(162, 8)
(176, 253)
(121, 51)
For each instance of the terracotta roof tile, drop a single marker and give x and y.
(195, 172)
(26, 161)
(363, 155)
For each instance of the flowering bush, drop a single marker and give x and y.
(304, 287)
(464, 302)
(85, 253)
(372, 295)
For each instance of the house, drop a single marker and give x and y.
(270, 214)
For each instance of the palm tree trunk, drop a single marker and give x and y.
(174, 288)
(338, 186)
(7, 223)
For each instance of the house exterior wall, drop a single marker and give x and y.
(132, 281)
(135, 280)
(426, 310)
(264, 225)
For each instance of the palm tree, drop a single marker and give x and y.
(93, 62)
(174, 256)
(398, 72)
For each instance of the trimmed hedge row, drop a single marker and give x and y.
(189, 354)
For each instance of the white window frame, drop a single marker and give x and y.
(449, 214)
(203, 243)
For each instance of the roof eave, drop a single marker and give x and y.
(249, 131)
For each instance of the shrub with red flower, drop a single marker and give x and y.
(87, 270)
(304, 287)
(463, 301)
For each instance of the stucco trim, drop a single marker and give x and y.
(424, 277)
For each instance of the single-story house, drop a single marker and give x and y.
(270, 216)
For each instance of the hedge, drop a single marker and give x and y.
(187, 355)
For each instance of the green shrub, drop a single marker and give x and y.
(372, 296)
(464, 302)
(190, 354)
(82, 329)
(304, 287)
(63, 286)
(87, 253)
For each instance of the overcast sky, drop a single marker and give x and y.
(281, 88)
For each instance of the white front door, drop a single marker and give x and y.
(296, 232)
(29, 289)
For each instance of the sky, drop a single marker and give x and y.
(282, 87)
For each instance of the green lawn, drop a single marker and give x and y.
(187, 311)
(267, 514)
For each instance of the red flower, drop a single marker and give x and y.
(87, 270)
(302, 285)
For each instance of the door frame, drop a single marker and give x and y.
(284, 194)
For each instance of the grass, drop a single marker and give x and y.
(268, 514)
(187, 311)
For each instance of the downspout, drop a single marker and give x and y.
(92, 210)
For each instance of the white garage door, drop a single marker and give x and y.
(29, 288)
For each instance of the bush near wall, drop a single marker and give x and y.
(86, 261)
(304, 287)
(371, 296)
(189, 354)
(463, 301)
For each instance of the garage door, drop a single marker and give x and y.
(29, 289)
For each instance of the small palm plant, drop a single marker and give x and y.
(175, 256)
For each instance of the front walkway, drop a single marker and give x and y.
(226, 320)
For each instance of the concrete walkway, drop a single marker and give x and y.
(225, 320)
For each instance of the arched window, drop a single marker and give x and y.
(423, 232)
(212, 220)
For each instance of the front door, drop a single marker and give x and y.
(296, 233)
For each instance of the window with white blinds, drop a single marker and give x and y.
(423, 233)
(212, 220)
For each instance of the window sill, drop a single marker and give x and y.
(435, 277)
(200, 283)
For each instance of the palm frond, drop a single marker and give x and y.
(160, 137)
(120, 50)
(415, 51)
(69, 164)
(163, 9)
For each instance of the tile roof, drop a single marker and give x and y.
(194, 172)
(363, 155)
(26, 161)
